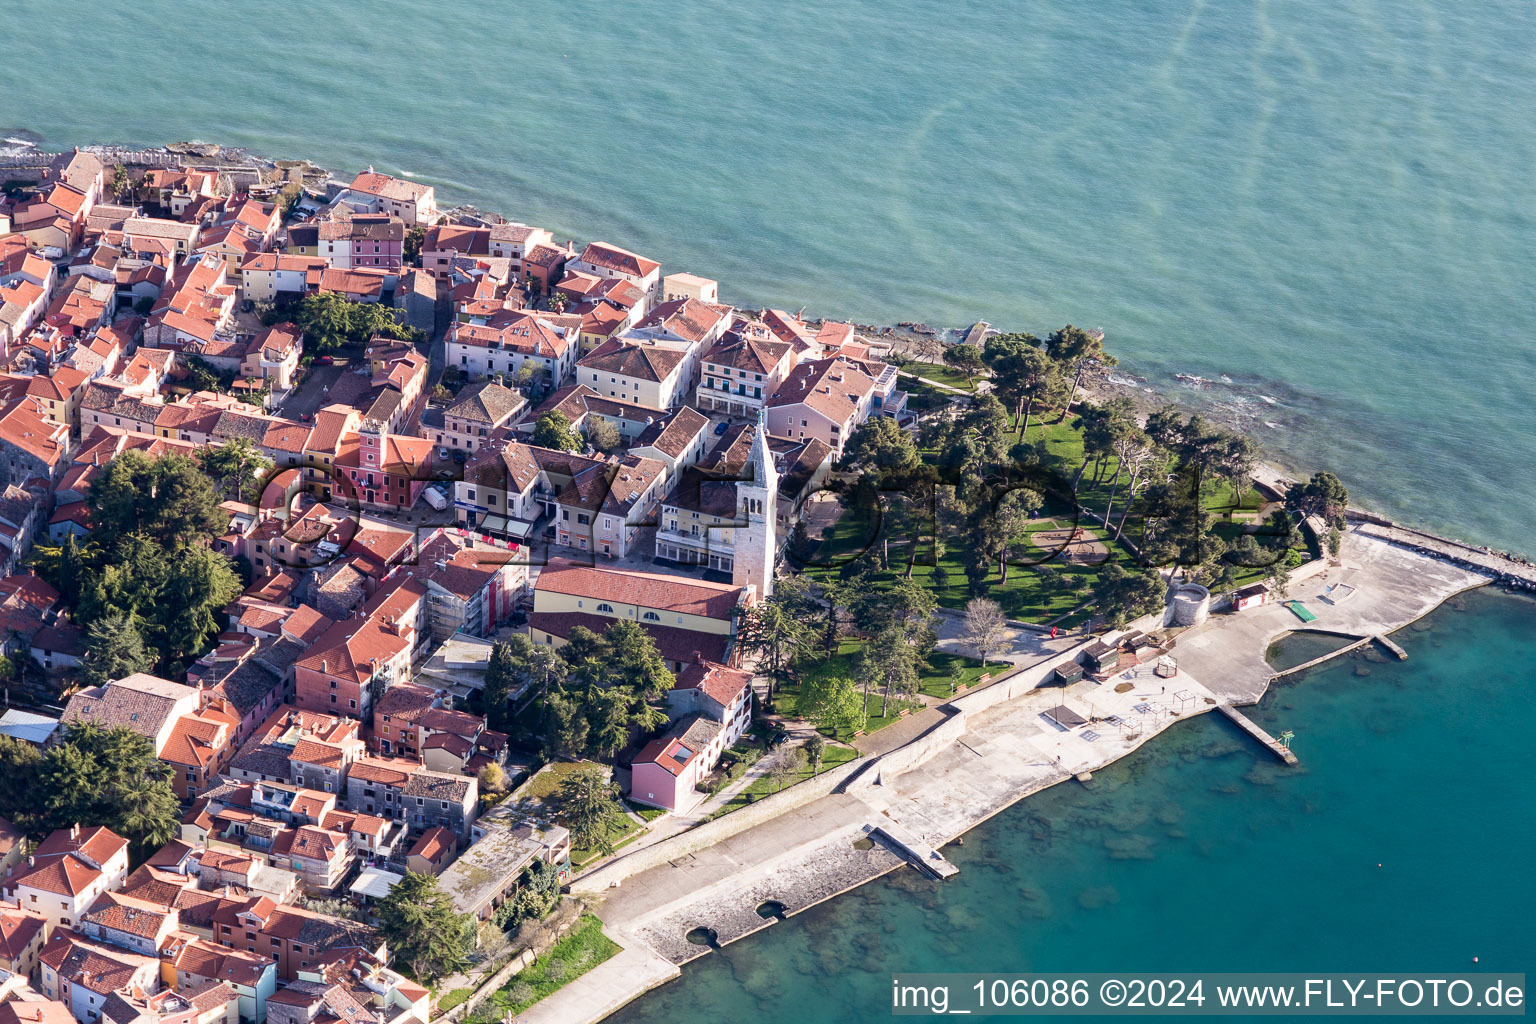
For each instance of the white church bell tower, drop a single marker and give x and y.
(757, 507)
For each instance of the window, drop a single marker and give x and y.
(651, 617)
(605, 607)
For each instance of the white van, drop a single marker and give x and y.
(436, 498)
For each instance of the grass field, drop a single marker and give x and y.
(583, 949)
(834, 755)
(941, 372)
(933, 680)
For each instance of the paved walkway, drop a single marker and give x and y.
(1021, 646)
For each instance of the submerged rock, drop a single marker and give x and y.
(1098, 897)
(1132, 847)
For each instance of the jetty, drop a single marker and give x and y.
(977, 335)
(1252, 728)
(921, 855)
(1509, 570)
(1392, 646)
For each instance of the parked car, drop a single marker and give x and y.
(722, 427)
(460, 455)
(324, 360)
(435, 497)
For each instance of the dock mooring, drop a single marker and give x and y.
(922, 856)
(1251, 727)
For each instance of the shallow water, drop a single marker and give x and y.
(1203, 852)
(1328, 203)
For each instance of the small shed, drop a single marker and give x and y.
(373, 884)
(1069, 672)
(1064, 717)
(1250, 596)
(1102, 657)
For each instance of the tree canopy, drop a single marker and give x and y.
(94, 776)
(590, 809)
(553, 430)
(1121, 595)
(147, 559)
(330, 321)
(426, 935)
(1323, 496)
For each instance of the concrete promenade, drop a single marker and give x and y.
(1393, 587)
(996, 746)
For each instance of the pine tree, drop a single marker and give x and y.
(423, 930)
(114, 648)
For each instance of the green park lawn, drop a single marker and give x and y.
(933, 680)
(583, 949)
(1048, 590)
(941, 372)
(766, 785)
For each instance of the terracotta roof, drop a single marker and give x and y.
(547, 335)
(354, 649)
(326, 755)
(435, 842)
(197, 739)
(674, 433)
(458, 746)
(720, 683)
(140, 701)
(388, 187)
(487, 402)
(389, 771)
(687, 318)
(405, 702)
(750, 355)
(676, 594)
(317, 843)
(458, 723)
(352, 282)
(685, 740)
(611, 257)
(463, 238)
(833, 387)
(634, 358)
(35, 1011)
(127, 914)
(101, 969)
(19, 927)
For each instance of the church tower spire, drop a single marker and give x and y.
(757, 509)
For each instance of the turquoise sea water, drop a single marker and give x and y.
(1203, 852)
(1332, 202)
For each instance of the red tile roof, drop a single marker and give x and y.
(675, 594)
(719, 682)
